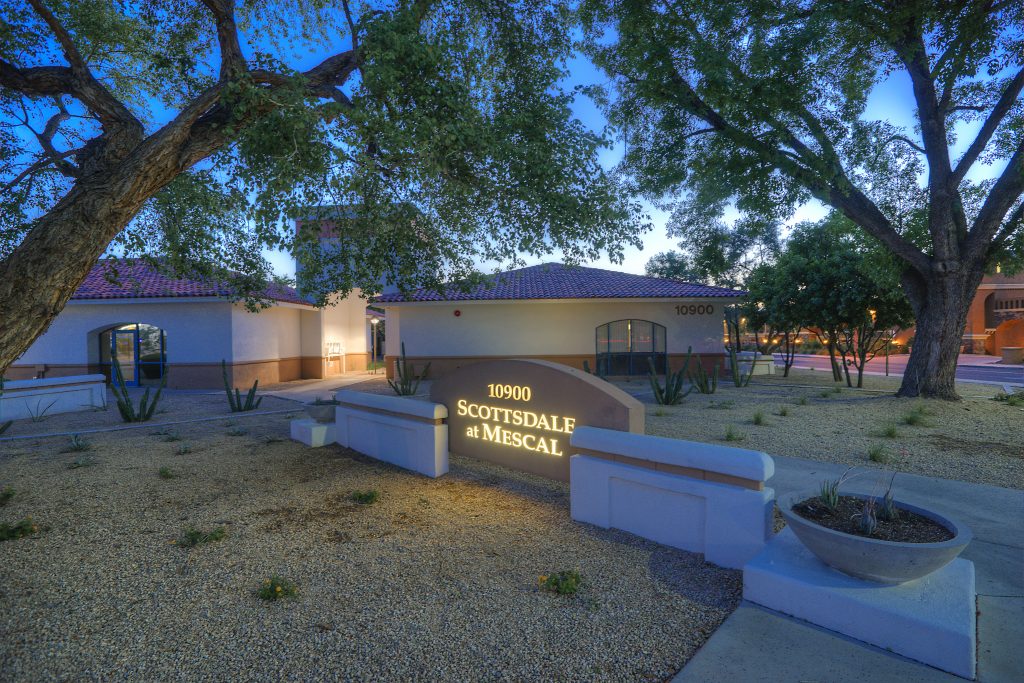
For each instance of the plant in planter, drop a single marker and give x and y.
(870, 536)
(322, 410)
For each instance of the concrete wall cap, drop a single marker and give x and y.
(736, 462)
(16, 384)
(394, 404)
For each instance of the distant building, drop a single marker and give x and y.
(996, 317)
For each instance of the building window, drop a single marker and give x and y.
(141, 352)
(627, 347)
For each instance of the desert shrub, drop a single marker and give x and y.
(6, 496)
(165, 473)
(878, 453)
(1014, 400)
(193, 537)
(916, 417)
(77, 445)
(87, 461)
(365, 497)
(183, 449)
(758, 418)
(10, 532)
(733, 434)
(783, 412)
(562, 583)
(277, 588)
(802, 401)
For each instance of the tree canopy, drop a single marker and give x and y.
(761, 106)
(441, 126)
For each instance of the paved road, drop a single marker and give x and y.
(994, 373)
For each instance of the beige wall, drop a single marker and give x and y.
(541, 329)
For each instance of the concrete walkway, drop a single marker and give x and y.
(307, 390)
(756, 644)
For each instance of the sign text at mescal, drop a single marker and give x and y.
(520, 413)
(513, 426)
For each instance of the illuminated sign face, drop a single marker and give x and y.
(521, 413)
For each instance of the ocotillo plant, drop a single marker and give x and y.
(704, 383)
(672, 393)
(235, 400)
(124, 401)
(407, 382)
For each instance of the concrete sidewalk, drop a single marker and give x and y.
(755, 644)
(308, 390)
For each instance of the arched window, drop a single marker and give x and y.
(626, 347)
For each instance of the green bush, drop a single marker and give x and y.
(193, 537)
(365, 497)
(562, 583)
(277, 588)
(10, 532)
(6, 495)
(165, 473)
(758, 418)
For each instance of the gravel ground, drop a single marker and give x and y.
(437, 580)
(174, 405)
(976, 439)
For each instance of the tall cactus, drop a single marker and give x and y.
(705, 384)
(124, 402)
(738, 378)
(672, 393)
(408, 382)
(235, 400)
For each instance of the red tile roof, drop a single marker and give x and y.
(138, 280)
(559, 281)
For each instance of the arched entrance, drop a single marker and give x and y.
(140, 350)
(626, 347)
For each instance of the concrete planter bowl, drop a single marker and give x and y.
(321, 412)
(872, 559)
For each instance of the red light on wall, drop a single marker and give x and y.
(457, 313)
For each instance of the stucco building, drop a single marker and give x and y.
(612, 321)
(185, 327)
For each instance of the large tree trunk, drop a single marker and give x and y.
(45, 270)
(940, 303)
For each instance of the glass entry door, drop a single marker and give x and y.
(124, 346)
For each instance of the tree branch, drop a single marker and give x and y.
(116, 118)
(1014, 221)
(1005, 192)
(988, 129)
(231, 60)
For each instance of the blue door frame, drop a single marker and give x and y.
(130, 371)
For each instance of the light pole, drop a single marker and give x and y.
(373, 344)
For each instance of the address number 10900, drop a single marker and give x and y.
(694, 309)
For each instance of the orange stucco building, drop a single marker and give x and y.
(996, 317)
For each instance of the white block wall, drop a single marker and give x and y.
(21, 399)
(729, 524)
(407, 437)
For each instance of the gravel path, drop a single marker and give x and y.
(437, 580)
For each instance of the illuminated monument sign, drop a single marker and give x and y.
(520, 413)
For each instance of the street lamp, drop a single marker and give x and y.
(373, 343)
